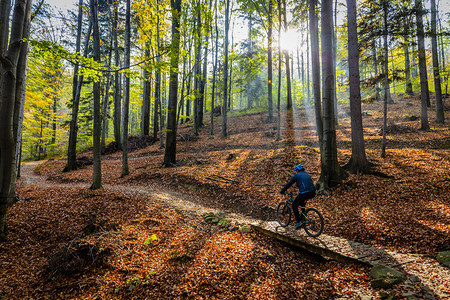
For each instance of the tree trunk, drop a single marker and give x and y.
(409, 88)
(97, 175)
(422, 66)
(331, 172)
(171, 136)
(436, 73)
(126, 94)
(307, 71)
(286, 58)
(117, 81)
(198, 70)
(76, 87)
(213, 92)
(386, 82)
(106, 102)
(314, 33)
(358, 162)
(146, 96)
(157, 80)
(9, 78)
(225, 72)
(269, 64)
(279, 75)
(375, 66)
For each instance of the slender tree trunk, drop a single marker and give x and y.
(386, 82)
(409, 88)
(314, 33)
(76, 87)
(358, 162)
(286, 58)
(250, 56)
(213, 92)
(331, 172)
(171, 136)
(106, 102)
(157, 106)
(188, 84)
(225, 72)
(97, 167)
(117, 81)
(307, 71)
(422, 66)
(375, 66)
(198, 70)
(126, 94)
(146, 96)
(436, 73)
(269, 64)
(279, 74)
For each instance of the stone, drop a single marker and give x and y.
(410, 296)
(385, 277)
(444, 258)
(225, 223)
(245, 229)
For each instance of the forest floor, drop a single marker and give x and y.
(143, 236)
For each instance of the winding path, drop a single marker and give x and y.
(423, 272)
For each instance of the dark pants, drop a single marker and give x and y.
(300, 200)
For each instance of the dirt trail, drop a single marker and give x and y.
(420, 269)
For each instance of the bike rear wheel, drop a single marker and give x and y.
(314, 222)
(284, 213)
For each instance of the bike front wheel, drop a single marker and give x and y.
(314, 222)
(284, 214)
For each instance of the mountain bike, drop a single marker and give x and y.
(313, 220)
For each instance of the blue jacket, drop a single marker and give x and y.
(304, 183)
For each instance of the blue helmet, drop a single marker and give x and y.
(298, 168)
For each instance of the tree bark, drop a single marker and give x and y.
(279, 74)
(386, 82)
(213, 92)
(331, 172)
(409, 88)
(286, 58)
(97, 167)
(76, 87)
(422, 66)
(315, 64)
(269, 64)
(8, 81)
(146, 96)
(117, 81)
(171, 136)
(225, 72)
(436, 73)
(126, 94)
(358, 162)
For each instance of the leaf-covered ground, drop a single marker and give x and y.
(78, 243)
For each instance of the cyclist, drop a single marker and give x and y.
(307, 190)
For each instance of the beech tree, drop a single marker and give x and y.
(358, 162)
(13, 32)
(97, 169)
(171, 136)
(422, 66)
(331, 172)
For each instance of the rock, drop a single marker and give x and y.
(385, 277)
(444, 258)
(410, 296)
(245, 229)
(225, 223)
(414, 279)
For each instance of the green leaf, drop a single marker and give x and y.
(150, 239)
